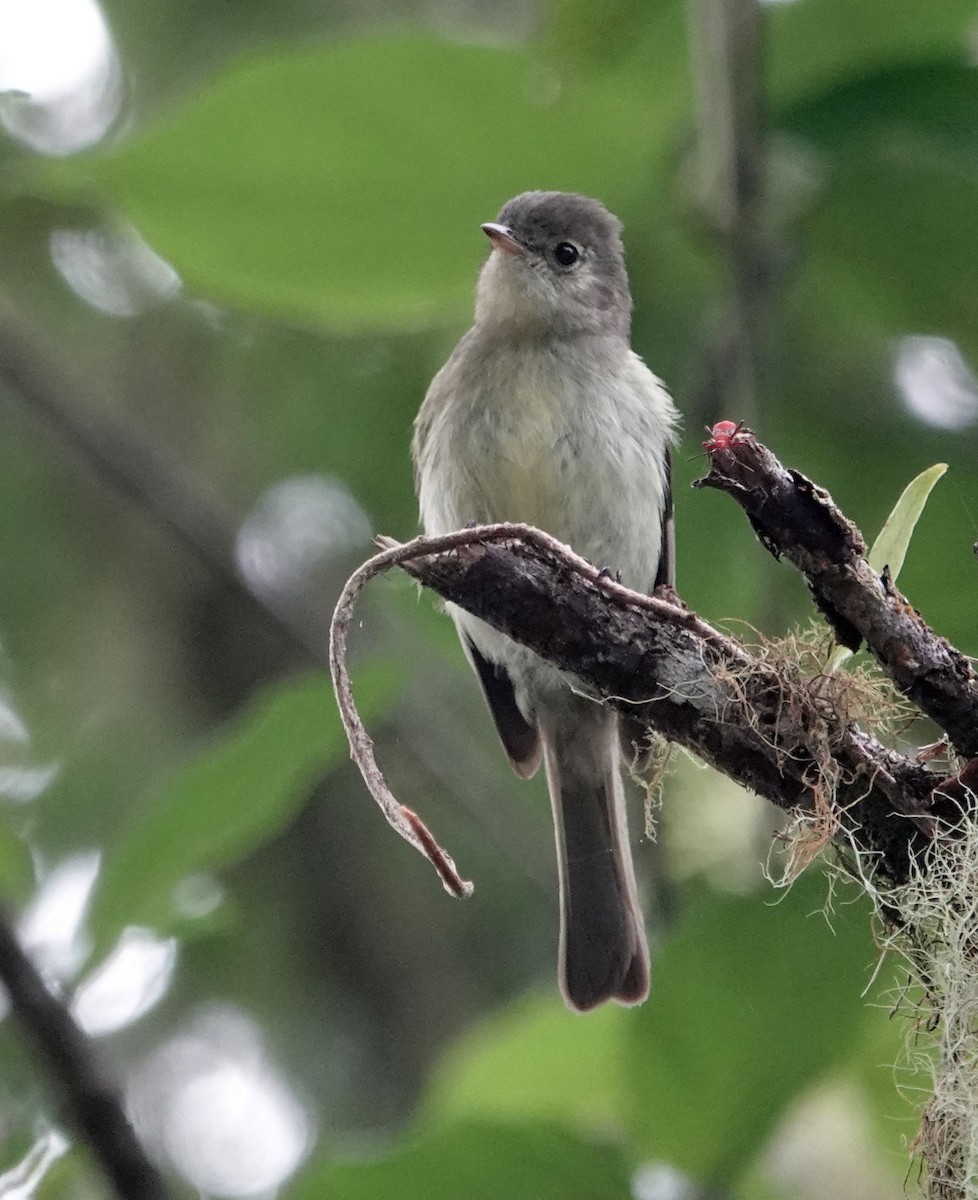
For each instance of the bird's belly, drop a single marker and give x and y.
(582, 485)
(525, 481)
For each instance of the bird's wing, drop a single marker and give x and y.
(666, 572)
(635, 744)
(520, 739)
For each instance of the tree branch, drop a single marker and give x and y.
(94, 1108)
(754, 717)
(799, 521)
(759, 723)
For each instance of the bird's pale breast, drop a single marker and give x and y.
(572, 446)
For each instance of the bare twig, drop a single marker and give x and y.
(402, 819)
(93, 1106)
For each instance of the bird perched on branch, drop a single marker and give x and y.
(544, 414)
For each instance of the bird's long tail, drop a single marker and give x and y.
(603, 952)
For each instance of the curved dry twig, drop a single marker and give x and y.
(402, 819)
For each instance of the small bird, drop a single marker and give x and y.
(544, 414)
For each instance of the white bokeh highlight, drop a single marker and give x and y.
(197, 896)
(127, 984)
(113, 271)
(213, 1105)
(22, 1181)
(21, 780)
(662, 1181)
(21, 785)
(935, 382)
(12, 726)
(52, 926)
(298, 527)
(60, 78)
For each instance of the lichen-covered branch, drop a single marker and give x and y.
(758, 720)
(799, 521)
(792, 736)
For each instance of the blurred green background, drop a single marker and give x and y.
(237, 241)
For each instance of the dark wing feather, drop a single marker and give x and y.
(633, 733)
(666, 573)
(520, 739)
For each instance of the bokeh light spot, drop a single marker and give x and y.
(935, 381)
(60, 82)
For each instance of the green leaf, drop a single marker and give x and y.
(751, 1003)
(893, 107)
(896, 148)
(16, 867)
(535, 1061)
(890, 547)
(812, 43)
(223, 804)
(345, 184)
(478, 1161)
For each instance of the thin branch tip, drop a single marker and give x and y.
(401, 819)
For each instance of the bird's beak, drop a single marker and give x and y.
(502, 238)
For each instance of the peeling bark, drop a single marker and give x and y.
(799, 521)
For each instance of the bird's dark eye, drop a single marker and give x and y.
(566, 254)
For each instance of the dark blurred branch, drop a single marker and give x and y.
(725, 38)
(799, 521)
(135, 468)
(94, 1108)
(753, 716)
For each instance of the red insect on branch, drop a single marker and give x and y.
(725, 434)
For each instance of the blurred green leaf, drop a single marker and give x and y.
(535, 1061)
(811, 44)
(478, 1161)
(16, 867)
(890, 110)
(346, 184)
(885, 250)
(751, 1002)
(223, 804)
(900, 197)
